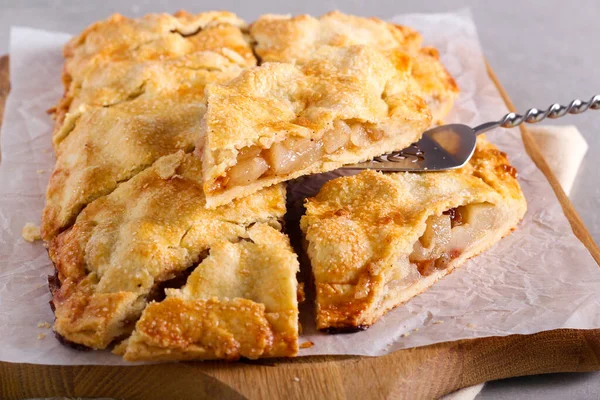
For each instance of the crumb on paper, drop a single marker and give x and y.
(31, 232)
(40, 171)
(438, 322)
(416, 330)
(41, 336)
(44, 325)
(307, 345)
(407, 334)
(470, 325)
(296, 379)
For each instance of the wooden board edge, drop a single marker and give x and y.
(423, 372)
(579, 228)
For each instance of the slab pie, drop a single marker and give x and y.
(173, 139)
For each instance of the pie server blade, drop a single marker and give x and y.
(451, 146)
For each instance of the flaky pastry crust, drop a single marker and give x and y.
(363, 232)
(239, 302)
(153, 250)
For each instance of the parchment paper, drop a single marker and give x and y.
(539, 278)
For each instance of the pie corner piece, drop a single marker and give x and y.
(281, 121)
(241, 301)
(225, 272)
(375, 241)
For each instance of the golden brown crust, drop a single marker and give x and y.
(294, 40)
(276, 102)
(239, 302)
(151, 37)
(149, 230)
(435, 84)
(358, 227)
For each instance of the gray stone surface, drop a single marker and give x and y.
(543, 52)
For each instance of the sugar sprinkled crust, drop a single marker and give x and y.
(362, 232)
(239, 302)
(317, 72)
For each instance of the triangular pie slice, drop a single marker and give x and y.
(241, 301)
(281, 38)
(376, 240)
(280, 121)
(149, 234)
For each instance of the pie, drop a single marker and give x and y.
(174, 136)
(330, 91)
(375, 241)
(151, 233)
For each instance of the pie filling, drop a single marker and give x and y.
(446, 237)
(294, 154)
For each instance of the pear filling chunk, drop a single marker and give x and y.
(446, 237)
(294, 154)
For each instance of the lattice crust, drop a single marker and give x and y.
(376, 240)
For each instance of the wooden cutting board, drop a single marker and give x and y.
(425, 372)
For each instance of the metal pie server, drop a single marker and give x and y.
(451, 146)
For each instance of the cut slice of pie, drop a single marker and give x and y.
(149, 234)
(241, 301)
(376, 240)
(281, 38)
(280, 121)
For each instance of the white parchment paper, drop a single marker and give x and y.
(539, 278)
